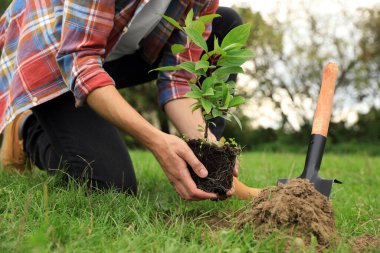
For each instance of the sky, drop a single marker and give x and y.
(265, 116)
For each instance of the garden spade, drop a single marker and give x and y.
(317, 141)
(319, 133)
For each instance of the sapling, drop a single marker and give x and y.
(211, 88)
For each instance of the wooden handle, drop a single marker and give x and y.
(323, 112)
(244, 192)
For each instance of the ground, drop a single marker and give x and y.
(39, 214)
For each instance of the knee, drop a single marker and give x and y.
(229, 18)
(103, 174)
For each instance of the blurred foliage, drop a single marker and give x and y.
(291, 54)
(363, 137)
(4, 5)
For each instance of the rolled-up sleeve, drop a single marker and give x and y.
(86, 26)
(174, 84)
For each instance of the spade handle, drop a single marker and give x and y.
(323, 112)
(244, 192)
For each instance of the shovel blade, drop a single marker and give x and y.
(324, 186)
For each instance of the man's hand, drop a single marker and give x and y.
(172, 154)
(186, 121)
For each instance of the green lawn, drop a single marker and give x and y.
(39, 214)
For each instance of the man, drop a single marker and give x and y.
(65, 60)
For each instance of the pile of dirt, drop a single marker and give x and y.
(365, 243)
(295, 207)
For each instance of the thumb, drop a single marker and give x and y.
(194, 163)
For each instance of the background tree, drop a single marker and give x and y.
(290, 54)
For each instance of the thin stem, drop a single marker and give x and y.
(188, 47)
(206, 130)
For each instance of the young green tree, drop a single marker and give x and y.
(210, 87)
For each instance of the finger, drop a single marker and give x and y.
(182, 192)
(201, 195)
(194, 192)
(188, 155)
(231, 192)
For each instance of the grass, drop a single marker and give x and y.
(40, 214)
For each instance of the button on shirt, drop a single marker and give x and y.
(50, 47)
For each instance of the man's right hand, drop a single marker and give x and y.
(173, 154)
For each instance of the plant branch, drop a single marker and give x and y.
(206, 130)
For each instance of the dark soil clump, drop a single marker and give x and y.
(219, 161)
(295, 207)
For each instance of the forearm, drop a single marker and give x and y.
(110, 105)
(187, 122)
(171, 152)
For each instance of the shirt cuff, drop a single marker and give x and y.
(95, 81)
(172, 91)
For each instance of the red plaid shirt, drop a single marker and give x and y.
(50, 47)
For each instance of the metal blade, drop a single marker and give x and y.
(324, 186)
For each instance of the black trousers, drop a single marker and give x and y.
(84, 145)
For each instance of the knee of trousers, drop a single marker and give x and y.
(103, 174)
(229, 18)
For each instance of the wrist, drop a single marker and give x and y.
(155, 141)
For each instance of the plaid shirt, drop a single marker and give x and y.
(49, 47)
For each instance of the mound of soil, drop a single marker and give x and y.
(295, 207)
(220, 163)
(365, 243)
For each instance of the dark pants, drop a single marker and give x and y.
(84, 145)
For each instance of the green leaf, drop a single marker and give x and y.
(201, 65)
(196, 106)
(198, 26)
(196, 37)
(223, 71)
(205, 57)
(217, 49)
(233, 46)
(225, 117)
(216, 113)
(216, 44)
(208, 92)
(207, 117)
(239, 35)
(207, 105)
(166, 68)
(237, 120)
(195, 88)
(200, 128)
(231, 86)
(172, 21)
(236, 57)
(226, 96)
(193, 94)
(208, 82)
(189, 17)
(236, 101)
(178, 48)
(200, 72)
(208, 18)
(188, 66)
(231, 62)
(243, 53)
